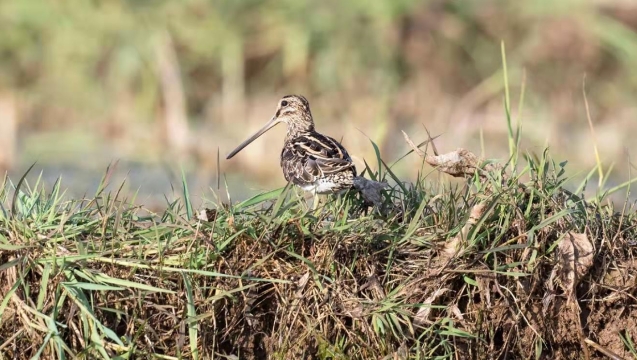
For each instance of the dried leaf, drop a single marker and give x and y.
(451, 247)
(456, 311)
(422, 316)
(575, 257)
(459, 163)
(301, 285)
(476, 213)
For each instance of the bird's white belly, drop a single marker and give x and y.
(320, 187)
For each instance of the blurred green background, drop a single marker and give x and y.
(161, 85)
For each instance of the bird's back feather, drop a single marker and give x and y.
(311, 157)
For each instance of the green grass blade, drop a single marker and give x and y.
(16, 194)
(7, 297)
(186, 194)
(43, 286)
(260, 198)
(413, 224)
(191, 312)
(130, 284)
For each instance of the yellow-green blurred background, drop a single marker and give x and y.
(161, 85)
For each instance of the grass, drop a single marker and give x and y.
(103, 278)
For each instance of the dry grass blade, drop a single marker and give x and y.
(611, 355)
(454, 245)
(598, 159)
(413, 146)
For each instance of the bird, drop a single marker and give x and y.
(315, 162)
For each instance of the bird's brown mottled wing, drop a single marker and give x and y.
(312, 156)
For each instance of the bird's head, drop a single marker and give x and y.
(294, 111)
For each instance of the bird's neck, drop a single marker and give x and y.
(298, 128)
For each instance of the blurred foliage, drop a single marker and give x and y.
(91, 64)
(83, 54)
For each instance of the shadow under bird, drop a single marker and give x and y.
(313, 161)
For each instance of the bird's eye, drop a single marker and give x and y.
(284, 103)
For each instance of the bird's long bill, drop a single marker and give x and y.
(265, 128)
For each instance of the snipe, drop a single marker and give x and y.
(313, 161)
